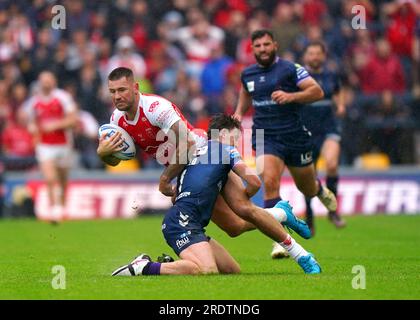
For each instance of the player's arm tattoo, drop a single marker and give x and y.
(185, 147)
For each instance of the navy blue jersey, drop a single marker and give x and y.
(261, 82)
(315, 115)
(203, 178)
(329, 82)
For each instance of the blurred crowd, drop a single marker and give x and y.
(192, 52)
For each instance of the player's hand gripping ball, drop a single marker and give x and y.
(129, 149)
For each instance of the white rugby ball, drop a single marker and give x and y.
(129, 149)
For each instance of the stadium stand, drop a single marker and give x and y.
(192, 52)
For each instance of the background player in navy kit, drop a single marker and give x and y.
(198, 188)
(277, 89)
(319, 119)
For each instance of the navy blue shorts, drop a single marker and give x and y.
(181, 230)
(295, 149)
(318, 142)
(330, 130)
(323, 125)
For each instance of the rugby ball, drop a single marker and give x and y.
(129, 148)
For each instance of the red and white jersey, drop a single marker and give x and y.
(154, 118)
(46, 109)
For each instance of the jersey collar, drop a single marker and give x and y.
(136, 117)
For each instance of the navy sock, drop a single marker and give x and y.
(271, 202)
(152, 268)
(320, 191)
(332, 183)
(309, 212)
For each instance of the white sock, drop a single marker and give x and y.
(278, 213)
(295, 249)
(57, 213)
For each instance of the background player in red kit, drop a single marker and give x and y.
(52, 114)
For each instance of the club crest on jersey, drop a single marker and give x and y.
(149, 132)
(251, 86)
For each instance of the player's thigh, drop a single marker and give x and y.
(63, 173)
(49, 170)
(225, 262)
(305, 179)
(271, 168)
(331, 153)
(202, 255)
(227, 220)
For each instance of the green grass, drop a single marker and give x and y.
(387, 246)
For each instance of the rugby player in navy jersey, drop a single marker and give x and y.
(199, 185)
(319, 118)
(278, 89)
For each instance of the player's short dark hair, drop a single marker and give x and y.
(257, 34)
(223, 121)
(319, 44)
(119, 73)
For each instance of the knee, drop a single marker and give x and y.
(232, 269)
(50, 182)
(208, 269)
(308, 190)
(236, 230)
(331, 167)
(194, 269)
(271, 183)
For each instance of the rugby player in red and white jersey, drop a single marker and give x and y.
(148, 119)
(52, 113)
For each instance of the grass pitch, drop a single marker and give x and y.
(386, 246)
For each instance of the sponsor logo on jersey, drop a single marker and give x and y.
(306, 158)
(251, 86)
(153, 106)
(185, 234)
(164, 116)
(182, 242)
(263, 103)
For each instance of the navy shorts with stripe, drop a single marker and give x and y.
(322, 128)
(181, 230)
